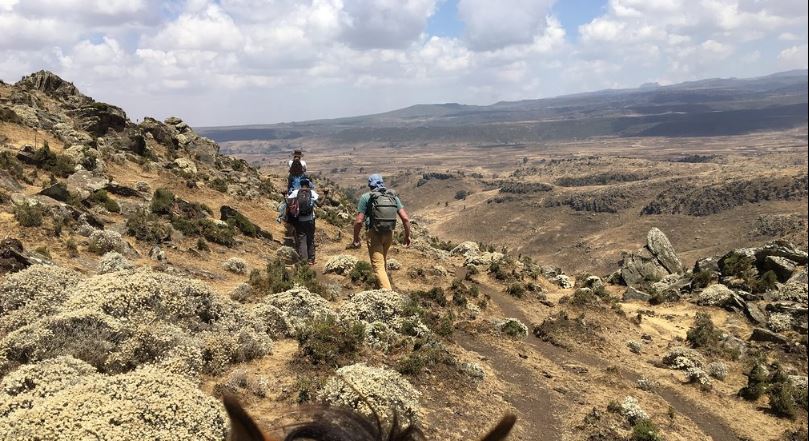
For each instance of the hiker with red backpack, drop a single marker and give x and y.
(300, 211)
(378, 210)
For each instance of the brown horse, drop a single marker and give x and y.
(331, 424)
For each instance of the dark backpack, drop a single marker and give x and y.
(383, 210)
(301, 205)
(296, 168)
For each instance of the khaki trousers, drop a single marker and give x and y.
(378, 246)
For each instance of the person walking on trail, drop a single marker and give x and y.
(301, 215)
(377, 210)
(297, 171)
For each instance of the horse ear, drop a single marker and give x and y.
(502, 429)
(242, 427)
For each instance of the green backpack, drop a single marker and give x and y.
(384, 210)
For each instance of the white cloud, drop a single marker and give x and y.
(794, 57)
(385, 23)
(495, 25)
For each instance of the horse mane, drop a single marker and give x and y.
(340, 424)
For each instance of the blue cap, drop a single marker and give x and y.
(375, 181)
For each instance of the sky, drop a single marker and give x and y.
(228, 62)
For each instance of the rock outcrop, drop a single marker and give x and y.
(651, 263)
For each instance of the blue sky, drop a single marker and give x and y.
(571, 13)
(223, 62)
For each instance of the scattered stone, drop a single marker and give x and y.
(472, 370)
(715, 295)
(755, 314)
(143, 187)
(157, 254)
(632, 294)
(12, 258)
(563, 281)
(593, 282)
(765, 335)
(186, 165)
(707, 264)
(56, 191)
(634, 346)
(781, 266)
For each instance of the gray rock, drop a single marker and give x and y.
(640, 267)
(765, 335)
(83, 183)
(707, 264)
(633, 294)
(781, 266)
(780, 249)
(661, 248)
(755, 314)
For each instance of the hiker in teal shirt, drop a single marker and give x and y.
(378, 211)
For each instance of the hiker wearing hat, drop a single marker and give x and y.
(378, 210)
(301, 215)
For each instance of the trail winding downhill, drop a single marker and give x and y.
(711, 425)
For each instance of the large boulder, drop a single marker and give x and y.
(656, 260)
(715, 295)
(99, 118)
(781, 266)
(49, 83)
(661, 248)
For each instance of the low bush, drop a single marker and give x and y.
(758, 380)
(101, 197)
(51, 162)
(435, 295)
(162, 201)
(363, 274)
(703, 333)
(645, 430)
(219, 185)
(147, 227)
(28, 215)
(331, 341)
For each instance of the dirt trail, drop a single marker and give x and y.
(712, 426)
(533, 400)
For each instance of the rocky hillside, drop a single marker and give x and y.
(143, 276)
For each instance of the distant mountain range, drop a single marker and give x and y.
(710, 107)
